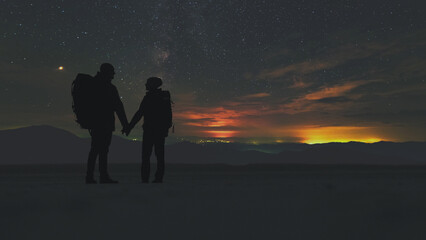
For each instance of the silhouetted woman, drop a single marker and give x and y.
(156, 110)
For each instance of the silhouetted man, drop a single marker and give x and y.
(107, 101)
(156, 109)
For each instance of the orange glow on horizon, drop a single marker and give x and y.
(216, 117)
(221, 134)
(215, 123)
(341, 140)
(341, 134)
(212, 123)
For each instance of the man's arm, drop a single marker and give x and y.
(138, 115)
(119, 109)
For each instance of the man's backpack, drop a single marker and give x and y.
(83, 103)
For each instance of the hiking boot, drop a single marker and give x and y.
(90, 180)
(107, 180)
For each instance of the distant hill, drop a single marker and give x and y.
(49, 145)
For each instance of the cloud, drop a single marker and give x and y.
(320, 99)
(328, 60)
(332, 100)
(409, 117)
(300, 84)
(261, 115)
(255, 95)
(334, 91)
(246, 116)
(299, 68)
(404, 90)
(208, 116)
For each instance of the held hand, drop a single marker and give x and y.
(125, 130)
(128, 131)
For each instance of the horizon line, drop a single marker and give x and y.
(209, 140)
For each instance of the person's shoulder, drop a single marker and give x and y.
(165, 94)
(112, 87)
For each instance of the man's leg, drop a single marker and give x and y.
(93, 154)
(103, 164)
(159, 153)
(103, 157)
(147, 143)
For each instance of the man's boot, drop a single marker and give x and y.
(90, 180)
(106, 179)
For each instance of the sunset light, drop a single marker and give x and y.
(341, 134)
(215, 117)
(221, 134)
(340, 140)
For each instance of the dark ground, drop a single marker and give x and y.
(215, 202)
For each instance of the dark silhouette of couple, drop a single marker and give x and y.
(96, 99)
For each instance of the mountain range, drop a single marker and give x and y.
(50, 145)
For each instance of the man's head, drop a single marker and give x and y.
(107, 71)
(153, 83)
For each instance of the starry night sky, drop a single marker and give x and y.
(253, 71)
